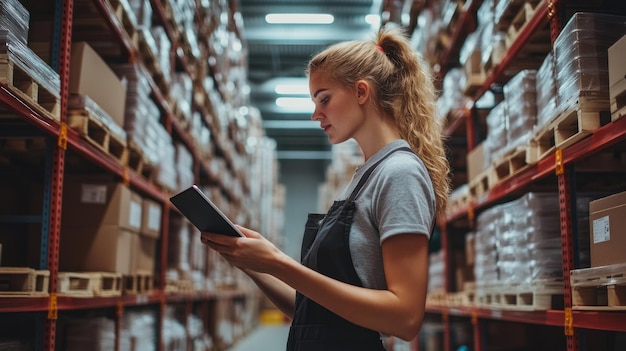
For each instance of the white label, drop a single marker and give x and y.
(135, 215)
(93, 194)
(601, 230)
(154, 217)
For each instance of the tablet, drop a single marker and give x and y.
(203, 213)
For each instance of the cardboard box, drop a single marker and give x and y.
(91, 76)
(617, 64)
(475, 161)
(105, 248)
(151, 213)
(144, 254)
(99, 202)
(607, 220)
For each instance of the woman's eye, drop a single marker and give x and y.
(324, 100)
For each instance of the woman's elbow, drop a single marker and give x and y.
(410, 329)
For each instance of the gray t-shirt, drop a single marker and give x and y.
(398, 198)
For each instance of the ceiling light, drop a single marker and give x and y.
(299, 18)
(291, 124)
(295, 103)
(292, 89)
(373, 20)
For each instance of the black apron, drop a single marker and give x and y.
(315, 328)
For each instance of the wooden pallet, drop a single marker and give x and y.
(599, 288)
(22, 281)
(22, 84)
(461, 299)
(123, 14)
(180, 286)
(481, 184)
(576, 123)
(137, 161)
(538, 295)
(138, 283)
(524, 14)
(475, 73)
(510, 164)
(458, 200)
(437, 298)
(97, 134)
(89, 284)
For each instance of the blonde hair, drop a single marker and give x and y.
(403, 89)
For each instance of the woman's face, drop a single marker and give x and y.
(336, 108)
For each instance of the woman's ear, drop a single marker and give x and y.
(362, 91)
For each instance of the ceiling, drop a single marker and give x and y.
(278, 53)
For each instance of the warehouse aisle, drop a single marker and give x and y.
(266, 337)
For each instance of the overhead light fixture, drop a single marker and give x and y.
(373, 20)
(292, 89)
(299, 18)
(299, 103)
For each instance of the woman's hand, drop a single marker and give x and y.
(253, 252)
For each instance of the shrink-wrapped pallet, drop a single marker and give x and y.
(581, 58)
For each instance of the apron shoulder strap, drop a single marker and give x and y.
(369, 171)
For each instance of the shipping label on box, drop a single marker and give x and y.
(601, 230)
(94, 202)
(134, 219)
(93, 194)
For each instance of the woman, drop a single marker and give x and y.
(364, 269)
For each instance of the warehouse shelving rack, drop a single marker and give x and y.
(29, 121)
(557, 168)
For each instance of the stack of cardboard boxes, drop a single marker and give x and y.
(106, 227)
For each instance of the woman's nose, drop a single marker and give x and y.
(315, 115)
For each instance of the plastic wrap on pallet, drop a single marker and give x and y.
(583, 76)
(546, 91)
(29, 62)
(201, 133)
(174, 333)
(500, 8)
(142, 118)
(163, 46)
(15, 18)
(184, 167)
(436, 272)
(90, 334)
(471, 44)
(581, 58)
(588, 34)
(141, 325)
(485, 13)
(521, 238)
(181, 91)
(521, 104)
(178, 246)
(80, 102)
(142, 9)
(452, 97)
(496, 139)
(129, 11)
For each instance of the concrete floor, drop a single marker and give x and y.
(265, 337)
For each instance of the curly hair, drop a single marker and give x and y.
(403, 89)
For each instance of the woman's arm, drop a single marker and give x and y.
(397, 311)
(282, 295)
